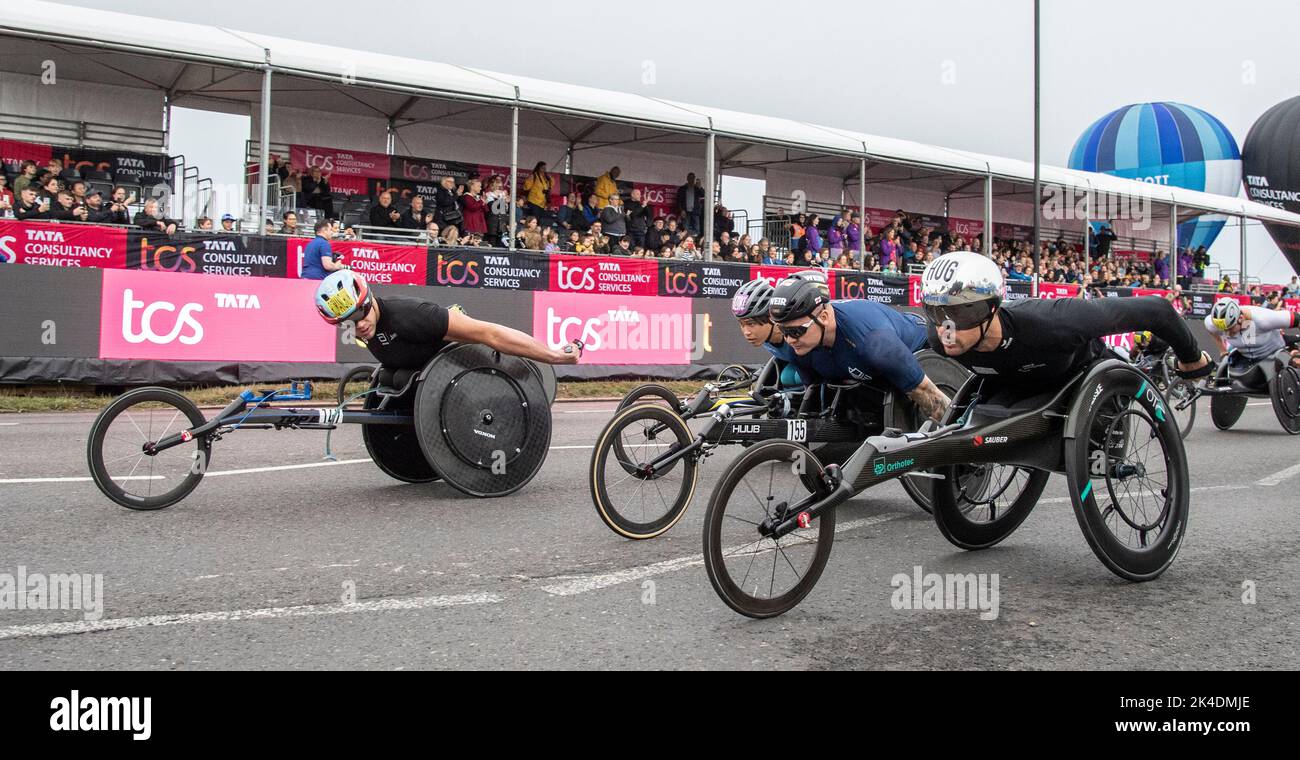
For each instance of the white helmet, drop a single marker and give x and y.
(963, 288)
(1225, 314)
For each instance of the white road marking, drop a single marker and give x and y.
(1198, 489)
(8, 424)
(583, 583)
(226, 616)
(1279, 476)
(1259, 403)
(573, 411)
(281, 468)
(6, 481)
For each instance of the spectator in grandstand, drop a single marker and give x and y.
(383, 214)
(316, 193)
(1292, 288)
(890, 249)
(6, 197)
(318, 259)
(1162, 265)
(530, 237)
(591, 211)
(599, 240)
(50, 187)
(446, 202)
(623, 247)
(288, 224)
(606, 186)
(29, 207)
(612, 221)
(474, 208)
(203, 223)
(569, 216)
(722, 221)
(450, 235)
(767, 255)
(1273, 301)
(572, 242)
(657, 236)
(1105, 236)
(26, 176)
(278, 168)
(497, 201)
(690, 204)
(842, 261)
(552, 242)
(745, 244)
(725, 244)
(151, 218)
(292, 183)
(66, 209)
(431, 232)
(639, 218)
(1226, 286)
(228, 223)
(537, 188)
(416, 217)
(835, 236)
(98, 213)
(118, 206)
(1200, 260)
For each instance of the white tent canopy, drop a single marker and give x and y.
(217, 66)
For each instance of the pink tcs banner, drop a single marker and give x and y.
(1291, 304)
(1057, 290)
(377, 262)
(348, 170)
(170, 317)
(62, 245)
(611, 276)
(617, 329)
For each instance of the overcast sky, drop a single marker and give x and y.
(956, 73)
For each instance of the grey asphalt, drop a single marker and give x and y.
(251, 570)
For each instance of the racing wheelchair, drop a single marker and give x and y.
(1236, 380)
(474, 418)
(645, 464)
(770, 523)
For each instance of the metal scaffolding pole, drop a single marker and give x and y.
(1243, 252)
(710, 172)
(1172, 255)
(1038, 187)
(988, 215)
(264, 171)
(514, 173)
(862, 215)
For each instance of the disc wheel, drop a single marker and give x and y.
(753, 573)
(1226, 410)
(1285, 395)
(117, 451)
(632, 498)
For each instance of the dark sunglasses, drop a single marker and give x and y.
(962, 316)
(798, 331)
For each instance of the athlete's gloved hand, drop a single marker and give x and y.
(1188, 372)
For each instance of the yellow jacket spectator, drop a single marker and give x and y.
(538, 187)
(605, 187)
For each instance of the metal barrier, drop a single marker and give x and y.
(81, 133)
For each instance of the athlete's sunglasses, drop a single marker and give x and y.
(795, 332)
(962, 316)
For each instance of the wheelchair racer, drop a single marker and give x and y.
(405, 333)
(750, 307)
(1037, 344)
(838, 341)
(1251, 334)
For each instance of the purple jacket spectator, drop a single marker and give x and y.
(814, 237)
(835, 239)
(1162, 267)
(853, 236)
(888, 252)
(1184, 265)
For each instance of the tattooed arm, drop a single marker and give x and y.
(930, 400)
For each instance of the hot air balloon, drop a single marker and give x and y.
(1271, 164)
(1167, 144)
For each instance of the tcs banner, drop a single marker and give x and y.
(150, 315)
(604, 275)
(62, 245)
(206, 253)
(619, 329)
(377, 262)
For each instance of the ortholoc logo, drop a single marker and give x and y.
(683, 283)
(456, 272)
(185, 319)
(585, 277)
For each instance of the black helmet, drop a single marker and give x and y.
(798, 296)
(751, 301)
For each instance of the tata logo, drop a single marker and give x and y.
(610, 266)
(45, 236)
(237, 301)
(624, 314)
(680, 283)
(574, 278)
(130, 163)
(497, 261)
(149, 330)
(457, 272)
(220, 245)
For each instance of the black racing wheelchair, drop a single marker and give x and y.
(472, 417)
(1237, 379)
(645, 464)
(771, 521)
